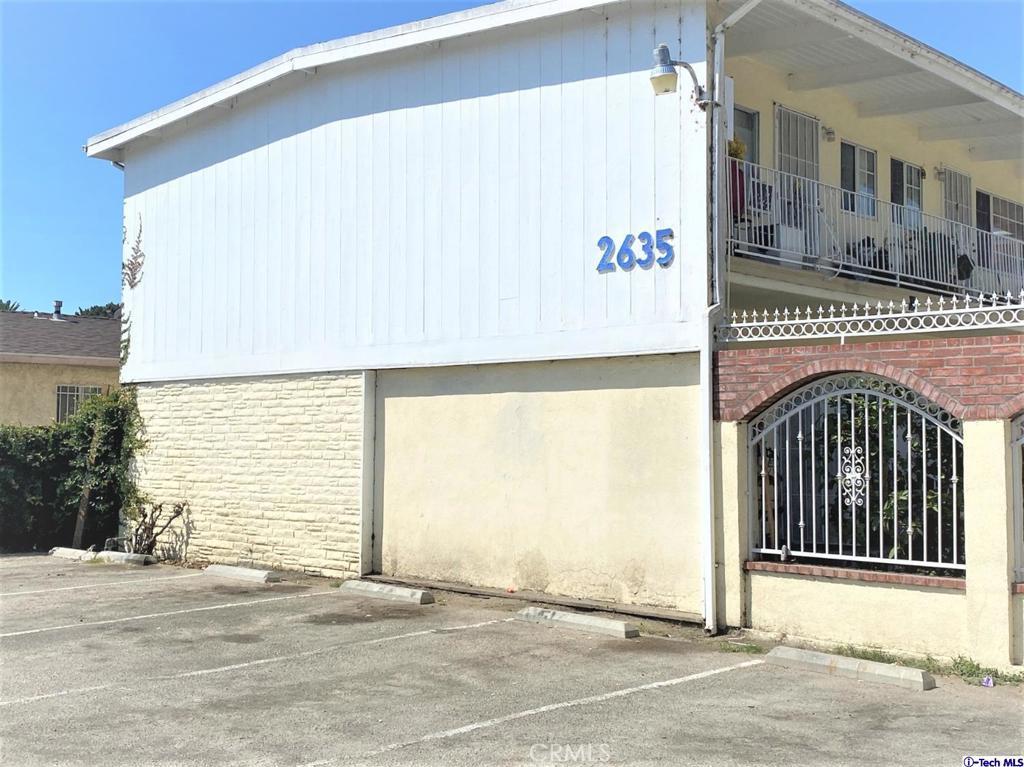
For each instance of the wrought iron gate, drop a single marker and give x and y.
(858, 468)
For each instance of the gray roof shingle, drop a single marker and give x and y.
(70, 336)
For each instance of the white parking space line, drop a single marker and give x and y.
(96, 585)
(253, 663)
(168, 613)
(444, 734)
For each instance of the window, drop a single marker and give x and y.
(1000, 216)
(858, 175)
(906, 189)
(957, 190)
(747, 128)
(69, 397)
(796, 143)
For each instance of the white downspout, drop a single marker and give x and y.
(710, 319)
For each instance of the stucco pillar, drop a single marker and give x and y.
(731, 507)
(988, 531)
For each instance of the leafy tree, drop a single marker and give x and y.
(7, 305)
(99, 310)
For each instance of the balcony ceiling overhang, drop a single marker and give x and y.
(824, 44)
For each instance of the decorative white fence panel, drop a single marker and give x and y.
(941, 315)
(858, 468)
(790, 219)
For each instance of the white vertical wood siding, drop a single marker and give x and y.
(439, 206)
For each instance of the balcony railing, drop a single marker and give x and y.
(784, 218)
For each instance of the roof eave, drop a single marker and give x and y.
(925, 57)
(105, 145)
(108, 144)
(60, 359)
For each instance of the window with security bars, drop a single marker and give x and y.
(70, 397)
(956, 189)
(796, 143)
(859, 470)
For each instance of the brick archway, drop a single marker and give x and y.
(1011, 408)
(973, 378)
(778, 387)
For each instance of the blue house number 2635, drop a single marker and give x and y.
(626, 257)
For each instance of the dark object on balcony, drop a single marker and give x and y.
(944, 251)
(964, 267)
(864, 255)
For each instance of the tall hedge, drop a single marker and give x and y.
(43, 470)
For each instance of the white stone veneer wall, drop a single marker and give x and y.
(270, 466)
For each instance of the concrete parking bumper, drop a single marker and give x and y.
(250, 574)
(387, 591)
(579, 622)
(851, 668)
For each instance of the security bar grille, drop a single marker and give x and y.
(858, 468)
(69, 397)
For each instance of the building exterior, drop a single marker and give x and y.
(450, 302)
(50, 362)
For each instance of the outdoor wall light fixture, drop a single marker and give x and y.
(829, 134)
(665, 78)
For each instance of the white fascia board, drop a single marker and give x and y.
(924, 57)
(59, 359)
(105, 145)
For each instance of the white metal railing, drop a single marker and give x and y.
(790, 219)
(858, 468)
(939, 315)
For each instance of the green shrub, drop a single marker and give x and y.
(43, 470)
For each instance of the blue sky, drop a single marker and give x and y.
(70, 70)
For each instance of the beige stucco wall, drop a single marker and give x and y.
(574, 477)
(28, 390)
(988, 540)
(270, 466)
(1017, 650)
(732, 544)
(759, 87)
(897, 618)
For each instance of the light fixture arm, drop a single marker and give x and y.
(699, 93)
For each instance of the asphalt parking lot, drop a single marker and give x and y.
(103, 664)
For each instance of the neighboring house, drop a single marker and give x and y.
(448, 301)
(50, 362)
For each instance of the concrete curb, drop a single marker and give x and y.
(592, 623)
(851, 668)
(123, 558)
(63, 552)
(243, 573)
(114, 557)
(387, 591)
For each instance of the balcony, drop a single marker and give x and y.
(787, 219)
